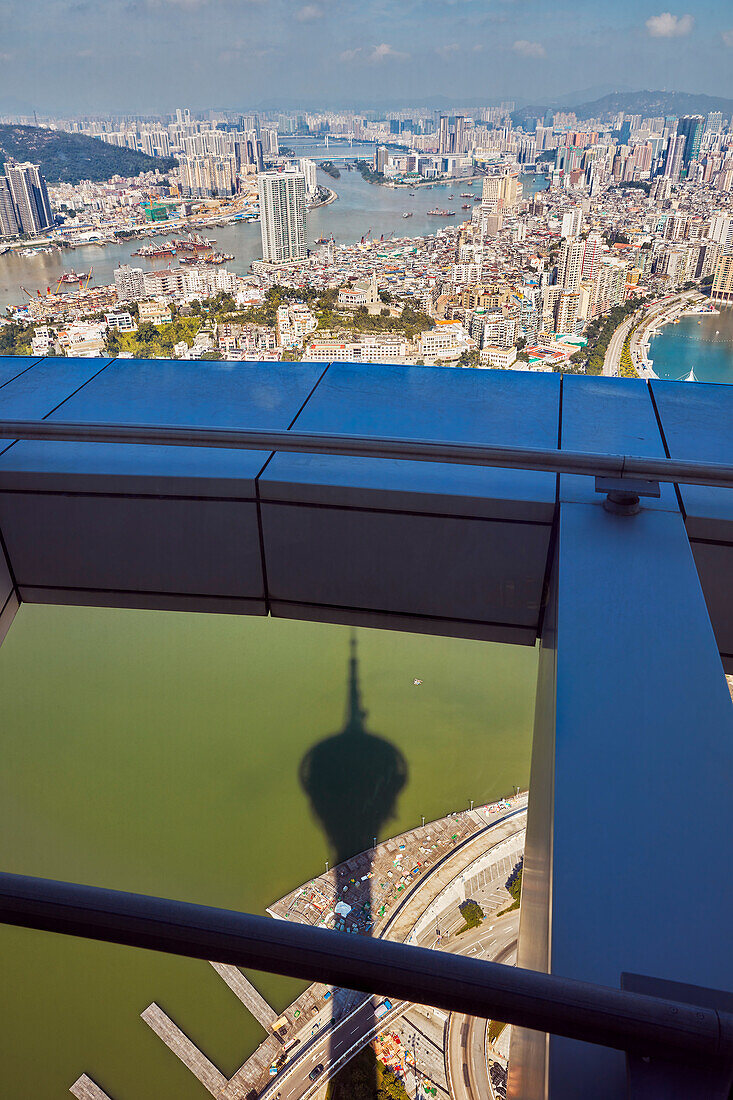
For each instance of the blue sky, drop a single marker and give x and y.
(152, 55)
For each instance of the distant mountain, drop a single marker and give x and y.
(651, 104)
(68, 158)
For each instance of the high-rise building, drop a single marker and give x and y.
(282, 216)
(499, 194)
(8, 221)
(129, 283)
(452, 136)
(691, 127)
(722, 288)
(308, 168)
(675, 154)
(572, 220)
(29, 196)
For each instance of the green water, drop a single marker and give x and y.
(159, 753)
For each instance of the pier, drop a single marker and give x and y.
(210, 1077)
(86, 1089)
(243, 989)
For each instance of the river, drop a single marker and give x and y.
(361, 208)
(703, 344)
(159, 752)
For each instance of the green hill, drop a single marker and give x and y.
(68, 158)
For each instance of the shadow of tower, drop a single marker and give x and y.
(353, 780)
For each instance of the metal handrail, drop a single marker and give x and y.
(644, 1025)
(557, 461)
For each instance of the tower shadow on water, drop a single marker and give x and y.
(353, 780)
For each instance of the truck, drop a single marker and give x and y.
(383, 1009)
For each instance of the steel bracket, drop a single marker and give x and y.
(623, 493)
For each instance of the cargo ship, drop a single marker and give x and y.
(194, 242)
(204, 261)
(442, 213)
(150, 251)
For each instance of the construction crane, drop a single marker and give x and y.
(89, 277)
(27, 293)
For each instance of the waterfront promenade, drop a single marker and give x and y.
(418, 878)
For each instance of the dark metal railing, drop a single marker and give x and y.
(643, 1025)
(415, 450)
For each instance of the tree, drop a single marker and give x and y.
(472, 914)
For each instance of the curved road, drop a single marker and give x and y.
(334, 1045)
(468, 1073)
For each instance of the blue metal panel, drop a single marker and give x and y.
(150, 391)
(612, 416)
(13, 365)
(640, 767)
(697, 420)
(36, 392)
(425, 403)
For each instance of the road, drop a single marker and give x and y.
(615, 347)
(468, 1071)
(335, 1044)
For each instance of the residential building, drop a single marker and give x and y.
(29, 197)
(129, 283)
(722, 288)
(282, 216)
(154, 312)
(8, 221)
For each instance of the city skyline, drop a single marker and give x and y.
(148, 54)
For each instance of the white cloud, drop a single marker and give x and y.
(529, 49)
(667, 25)
(448, 50)
(385, 52)
(727, 37)
(350, 55)
(308, 13)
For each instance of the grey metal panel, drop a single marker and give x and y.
(643, 765)
(414, 624)
(457, 569)
(144, 601)
(611, 416)
(6, 582)
(163, 392)
(439, 404)
(697, 420)
(714, 561)
(176, 547)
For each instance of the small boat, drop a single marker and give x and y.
(407, 214)
(465, 206)
(416, 683)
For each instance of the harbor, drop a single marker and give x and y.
(360, 208)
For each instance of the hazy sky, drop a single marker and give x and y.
(152, 55)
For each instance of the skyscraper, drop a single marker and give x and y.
(29, 196)
(282, 216)
(452, 137)
(8, 221)
(691, 127)
(675, 153)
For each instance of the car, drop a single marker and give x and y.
(315, 1072)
